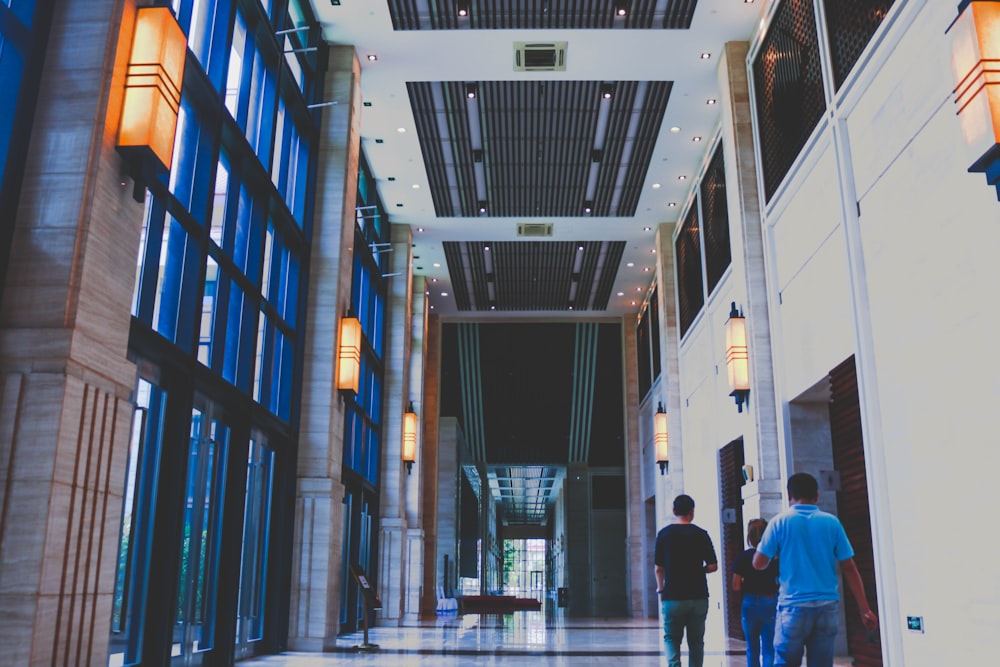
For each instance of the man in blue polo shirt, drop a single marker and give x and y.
(808, 544)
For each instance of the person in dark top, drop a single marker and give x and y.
(760, 598)
(684, 555)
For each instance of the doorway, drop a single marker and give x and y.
(731, 459)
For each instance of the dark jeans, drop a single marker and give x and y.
(681, 615)
(758, 628)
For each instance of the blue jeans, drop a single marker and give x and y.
(758, 628)
(813, 629)
(681, 615)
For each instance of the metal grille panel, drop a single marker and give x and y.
(536, 140)
(851, 24)
(715, 220)
(532, 275)
(788, 88)
(539, 15)
(690, 293)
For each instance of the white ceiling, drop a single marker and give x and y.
(487, 55)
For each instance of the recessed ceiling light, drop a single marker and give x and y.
(434, 280)
(646, 269)
(437, 265)
(656, 185)
(579, 248)
(671, 204)
(638, 289)
(401, 130)
(432, 306)
(420, 229)
(652, 250)
(630, 264)
(647, 229)
(621, 293)
(633, 303)
(682, 177)
(706, 56)
(486, 248)
(372, 57)
(696, 139)
(415, 186)
(711, 100)
(444, 294)
(675, 129)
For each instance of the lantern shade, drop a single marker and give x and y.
(737, 357)
(409, 437)
(976, 67)
(153, 86)
(661, 439)
(349, 355)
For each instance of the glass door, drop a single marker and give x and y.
(253, 565)
(196, 595)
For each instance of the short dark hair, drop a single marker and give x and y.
(683, 505)
(803, 486)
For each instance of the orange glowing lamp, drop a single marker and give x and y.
(409, 438)
(153, 86)
(737, 357)
(349, 356)
(976, 67)
(661, 439)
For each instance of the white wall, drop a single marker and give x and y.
(909, 286)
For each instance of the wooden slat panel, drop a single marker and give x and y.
(852, 504)
(730, 485)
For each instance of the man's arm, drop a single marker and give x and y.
(659, 572)
(853, 580)
(760, 561)
(711, 567)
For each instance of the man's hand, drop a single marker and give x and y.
(870, 620)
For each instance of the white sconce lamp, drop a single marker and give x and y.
(661, 439)
(737, 357)
(409, 437)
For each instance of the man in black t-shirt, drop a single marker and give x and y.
(684, 555)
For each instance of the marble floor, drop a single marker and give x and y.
(506, 640)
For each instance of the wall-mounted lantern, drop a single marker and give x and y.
(409, 437)
(661, 439)
(737, 357)
(152, 89)
(975, 64)
(349, 355)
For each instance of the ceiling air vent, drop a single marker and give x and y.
(540, 56)
(534, 229)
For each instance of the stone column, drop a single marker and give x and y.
(413, 585)
(637, 568)
(397, 393)
(428, 463)
(672, 483)
(315, 595)
(65, 382)
(762, 496)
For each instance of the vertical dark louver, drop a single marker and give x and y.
(852, 504)
(715, 219)
(654, 330)
(643, 342)
(690, 294)
(731, 498)
(851, 24)
(788, 89)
